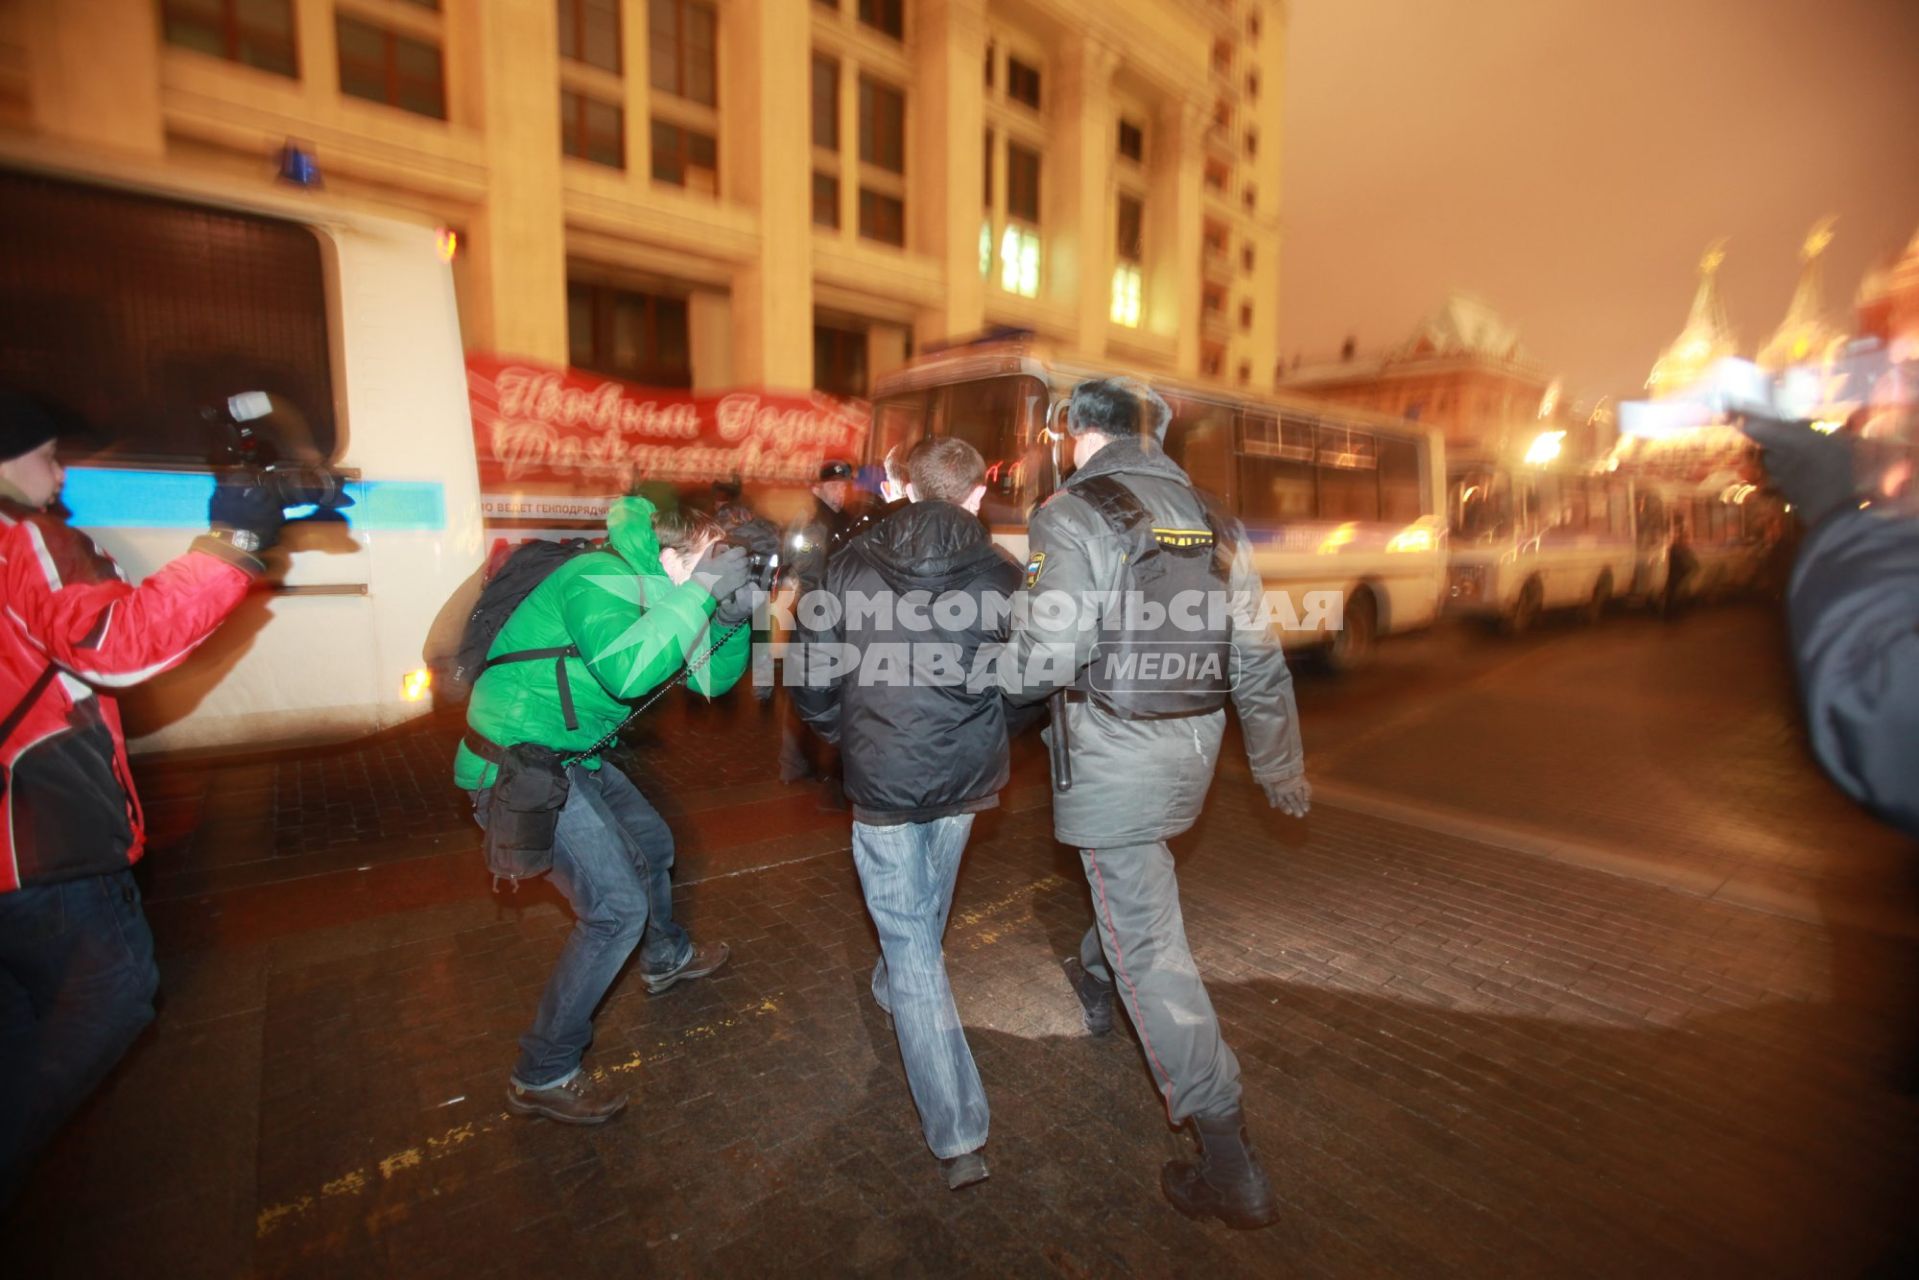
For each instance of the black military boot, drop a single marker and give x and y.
(1095, 998)
(1226, 1181)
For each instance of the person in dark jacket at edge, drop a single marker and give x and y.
(77, 975)
(662, 594)
(924, 746)
(1137, 782)
(1852, 601)
(809, 545)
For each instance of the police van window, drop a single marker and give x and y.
(136, 313)
(1276, 480)
(1002, 417)
(1200, 440)
(1348, 474)
(1400, 497)
(898, 423)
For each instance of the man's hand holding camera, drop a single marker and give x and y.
(245, 513)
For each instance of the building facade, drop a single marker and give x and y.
(708, 193)
(1462, 370)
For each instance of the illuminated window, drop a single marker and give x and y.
(986, 248)
(1126, 295)
(254, 33)
(592, 130)
(683, 36)
(382, 66)
(1019, 261)
(590, 32)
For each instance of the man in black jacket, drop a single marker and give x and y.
(891, 648)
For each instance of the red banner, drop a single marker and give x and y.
(554, 443)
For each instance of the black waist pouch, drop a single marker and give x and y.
(524, 812)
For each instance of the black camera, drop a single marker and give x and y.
(254, 432)
(761, 542)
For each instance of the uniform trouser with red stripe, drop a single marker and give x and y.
(1139, 944)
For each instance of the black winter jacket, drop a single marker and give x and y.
(897, 677)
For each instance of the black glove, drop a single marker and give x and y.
(1815, 471)
(245, 513)
(722, 570)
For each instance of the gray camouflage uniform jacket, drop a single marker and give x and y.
(1139, 781)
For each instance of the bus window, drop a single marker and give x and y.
(1348, 473)
(898, 423)
(1200, 440)
(1399, 489)
(1002, 418)
(137, 312)
(1481, 503)
(1275, 489)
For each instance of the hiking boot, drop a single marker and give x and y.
(1095, 998)
(964, 1170)
(1226, 1182)
(704, 960)
(577, 1100)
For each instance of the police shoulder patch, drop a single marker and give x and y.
(1035, 565)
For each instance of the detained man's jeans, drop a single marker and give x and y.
(907, 872)
(612, 859)
(77, 981)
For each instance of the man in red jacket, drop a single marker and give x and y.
(77, 976)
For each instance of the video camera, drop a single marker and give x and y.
(244, 436)
(761, 542)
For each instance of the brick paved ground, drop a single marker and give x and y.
(1459, 1059)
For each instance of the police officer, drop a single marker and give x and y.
(1142, 752)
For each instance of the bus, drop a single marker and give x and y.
(142, 303)
(1528, 540)
(1334, 500)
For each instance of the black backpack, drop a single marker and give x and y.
(530, 565)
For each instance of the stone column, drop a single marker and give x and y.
(947, 110)
(1079, 223)
(1175, 219)
(93, 73)
(765, 81)
(519, 240)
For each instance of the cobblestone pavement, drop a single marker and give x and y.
(1460, 1058)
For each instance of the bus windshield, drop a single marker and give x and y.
(1481, 505)
(1002, 417)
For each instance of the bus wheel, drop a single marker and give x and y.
(1601, 599)
(1352, 645)
(1526, 611)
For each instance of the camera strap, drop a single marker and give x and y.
(684, 674)
(32, 696)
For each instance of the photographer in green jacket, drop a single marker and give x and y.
(658, 597)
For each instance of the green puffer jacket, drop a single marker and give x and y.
(633, 629)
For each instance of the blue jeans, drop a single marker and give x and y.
(907, 872)
(612, 860)
(77, 981)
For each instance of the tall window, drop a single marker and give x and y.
(1022, 82)
(590, 32)
(826, 200)
(684, 37)
(882, 217)
(640, 337)
(592, 129)
(882, 126)
(826, 102)
(1130, 242)
(888, 16)
(1132, 142)
(839, 360)
(384, 66)
(685, 157)
(1022, 182)
(254, 33)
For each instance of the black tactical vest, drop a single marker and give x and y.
(1165, 645)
